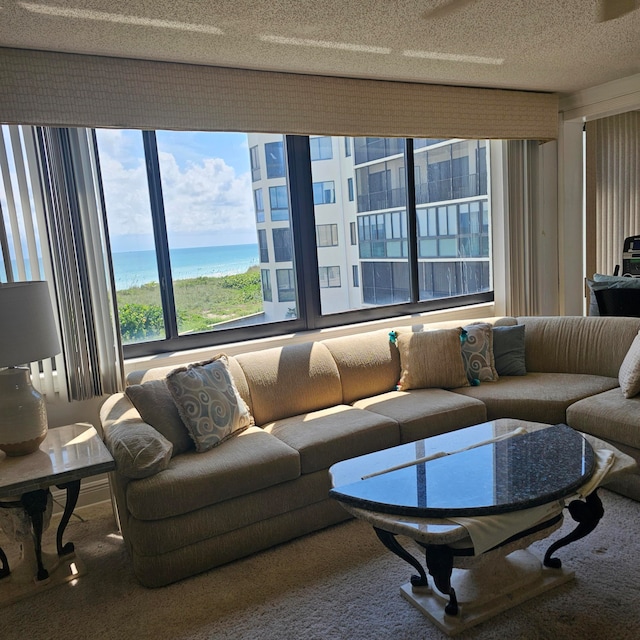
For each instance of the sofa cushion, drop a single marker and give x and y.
(431, 359)
(150, 537)
(137, 448)
(368, 364)
(291, 380)
(155, 405)
(509, 350)
(208, 402)
(540, 397)
(477, 353)
(329, 435)
(251, 461)
(422, 413)
(608, 415)
(578, 344)
(629, 374)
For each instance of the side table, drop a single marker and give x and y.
(67, 455)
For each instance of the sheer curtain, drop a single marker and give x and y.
(52, 206)
(531, 228)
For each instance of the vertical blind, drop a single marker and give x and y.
(53, 228)
(613, 193)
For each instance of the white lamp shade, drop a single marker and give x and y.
(27, 328)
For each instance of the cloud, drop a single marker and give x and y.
(206, 196)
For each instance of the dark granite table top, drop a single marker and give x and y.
(514, 473)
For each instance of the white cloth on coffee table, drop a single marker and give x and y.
(488, 531)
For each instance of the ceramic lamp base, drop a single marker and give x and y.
(23, 413)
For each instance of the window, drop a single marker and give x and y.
(282, 244)
(324, 192)
(274, 153)
(286, 285)
(264, 247)
(320, 148)
(279, 203)
(327, 235)
(356, 275)
(254, 157)
(208, 236)
(258, 203)
(265, 278)
(329, 277)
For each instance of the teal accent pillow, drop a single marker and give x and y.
(508, 350)
(601, 281)
(208, 402)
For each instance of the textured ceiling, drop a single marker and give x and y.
(547, 45)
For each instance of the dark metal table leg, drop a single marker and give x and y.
(73, 491)
(440, 564)
(389, 540)
(4, 569)
(35, 504)
(587, 514)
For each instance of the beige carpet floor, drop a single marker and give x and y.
(339, 583)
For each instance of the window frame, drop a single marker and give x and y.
(305, 268)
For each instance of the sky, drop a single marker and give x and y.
(206, 182)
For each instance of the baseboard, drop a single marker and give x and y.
(92, 492)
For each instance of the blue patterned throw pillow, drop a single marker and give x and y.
(477, 353)
(208, 402)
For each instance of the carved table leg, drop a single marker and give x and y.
(73, 491)
(389, 541)
(4, 569)
(440, 564)
(35, 504)
(587, 514)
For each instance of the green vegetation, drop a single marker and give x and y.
(201, 303)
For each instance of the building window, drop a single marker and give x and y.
(263, 246)
(329, 277)
(265, 278)
(279, 203)
(320, 148)
(258, 203)
(274, 154)
(286, 285)
(324, 192)
(383, 235)
(356, 275)
(347, 147)
(282, 244)
(327, 235)
(350, 188)
(353, 234)
(254, 156)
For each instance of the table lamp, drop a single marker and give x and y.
(27, 334)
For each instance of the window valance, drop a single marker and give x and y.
(60, 89)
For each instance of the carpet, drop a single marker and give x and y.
(337, 583)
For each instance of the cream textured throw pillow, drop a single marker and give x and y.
(208, 402)
(431, 359)
(629, 374)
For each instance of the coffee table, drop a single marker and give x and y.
(474, 500)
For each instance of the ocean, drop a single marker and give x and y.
(134, 268)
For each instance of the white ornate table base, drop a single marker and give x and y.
(487, 590)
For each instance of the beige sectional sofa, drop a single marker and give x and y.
(320, 402)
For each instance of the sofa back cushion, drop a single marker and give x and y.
(368, 363)
(577, 344)
(288, 381)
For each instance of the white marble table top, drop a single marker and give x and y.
(68, 453)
